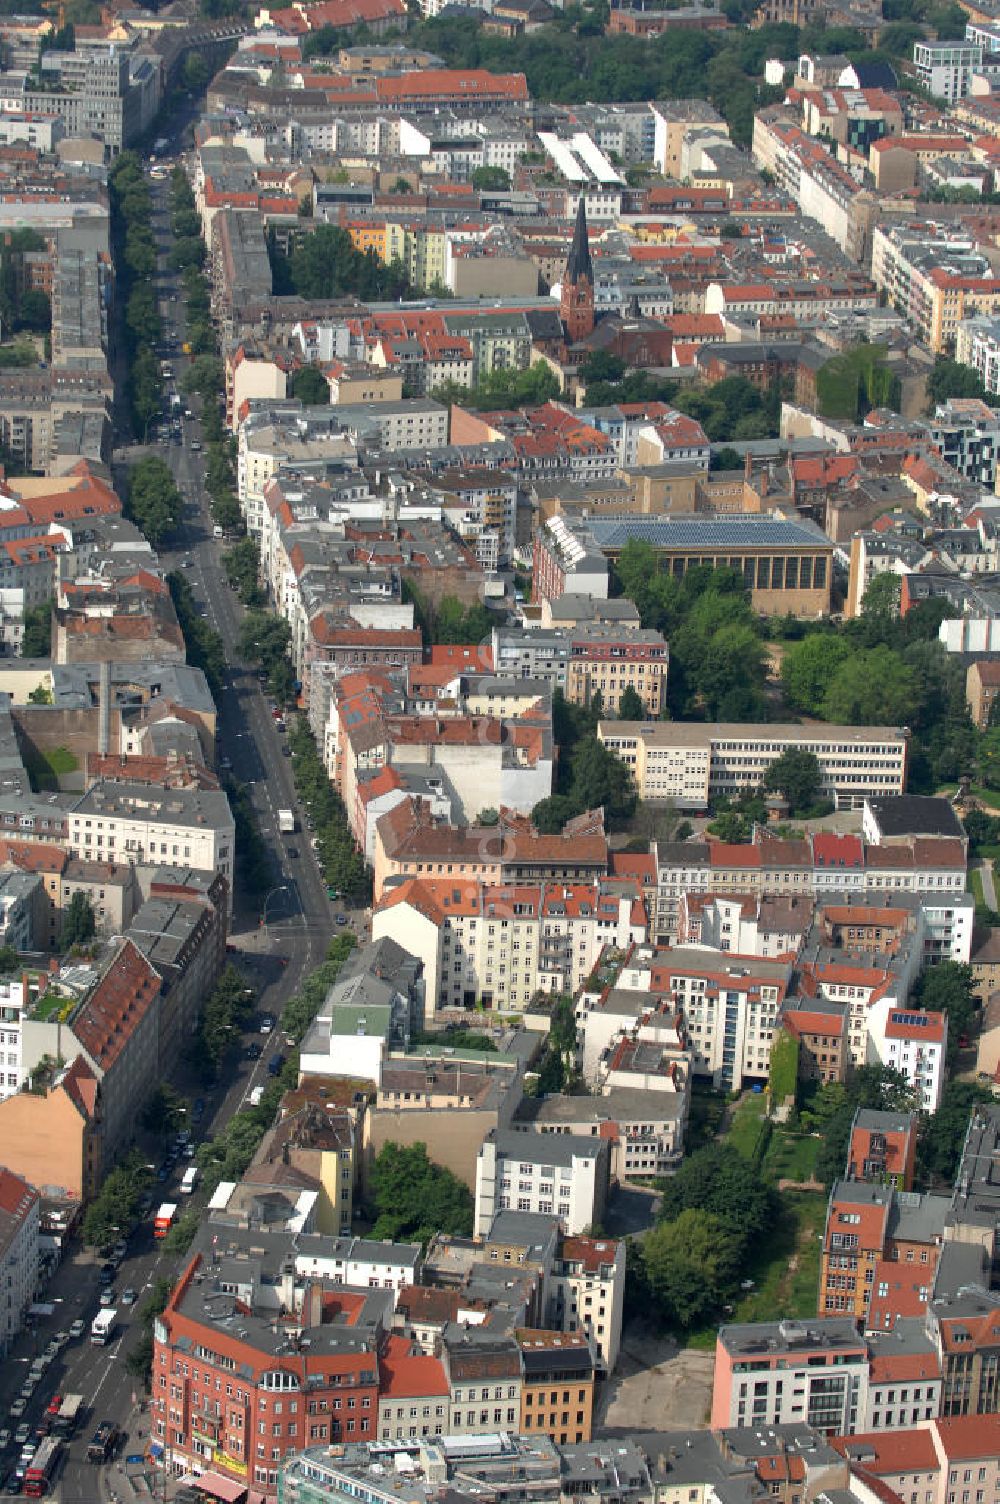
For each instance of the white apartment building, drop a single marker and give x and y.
(977, 344)
(12, 1005)
(359, 1262)
(149, 825)
(20, 1206)
(771, 1373)
(585, 1292)
(730, 1006)
(911, 1042)
(554, 1174)
(691, 764)
(945, 68)
(499, 945)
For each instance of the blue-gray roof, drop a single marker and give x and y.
(710, 532)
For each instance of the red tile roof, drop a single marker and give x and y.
(117, 1006)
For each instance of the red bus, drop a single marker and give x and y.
(43, 1465)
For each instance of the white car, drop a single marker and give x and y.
(78, 1328)
(17, 1408)
(5, 1440)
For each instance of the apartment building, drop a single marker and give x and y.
(977, 344)
(642, 1110)
(556, 1175)
(484, 1375)
(412, 841)
(730, 1005)
(946, 68)
(586, 1292)
(20, 1205)
(783, 1372)
(557, 1384)
(883, 1148)
(499, 945)
(876, 1236)
(935, 277)
(414, 1393)
(588, 660)
(692, 764)
(151, 825)
(913, 1043)
(219, 1398)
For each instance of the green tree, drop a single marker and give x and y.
(80, 924)
(630, 706)
(948, 988)
(195, 73)
(939, 1148)
(550, 815)
(949, 378)
(242, 566)
(311, 387)
(36, 639)
(491, 178)
(263, 638)
(154, 502)
(689, 1264)
(871, 688)
(797, 775)
(600, 779)
(414, 1198)
(807, 668)
(165, 1112)
(882, 596)
(721, 1182)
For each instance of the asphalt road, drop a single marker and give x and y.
(300, 923)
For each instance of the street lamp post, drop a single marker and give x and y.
(281, 888)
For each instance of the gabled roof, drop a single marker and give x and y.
(117, 1006)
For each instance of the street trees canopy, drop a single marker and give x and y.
(154, 502)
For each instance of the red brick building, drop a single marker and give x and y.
(246, 1371)
(883, 1148)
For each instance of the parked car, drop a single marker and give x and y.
(22, 1433)
(77, 1329)
(5, 1440)
(17, 1409)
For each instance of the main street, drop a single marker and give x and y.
(275, 957)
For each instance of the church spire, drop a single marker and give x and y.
(579, 263)
(577, 302)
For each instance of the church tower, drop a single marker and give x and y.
(577, 302)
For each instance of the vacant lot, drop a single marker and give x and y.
(656, 1386)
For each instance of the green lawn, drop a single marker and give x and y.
(45, 768)
(704, 1115)
(50, 1005)
(747, 1124)
(791, 1156)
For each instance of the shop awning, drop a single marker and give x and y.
(227, 1489)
